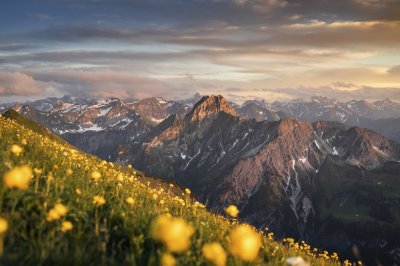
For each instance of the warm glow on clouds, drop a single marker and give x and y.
(241, 48)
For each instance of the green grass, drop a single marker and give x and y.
(116, 233)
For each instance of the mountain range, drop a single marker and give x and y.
(330, 183)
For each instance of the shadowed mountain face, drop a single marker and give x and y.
(328, 183)
(294, 177)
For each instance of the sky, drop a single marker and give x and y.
(242, 49)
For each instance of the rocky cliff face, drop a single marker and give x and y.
(271, 170)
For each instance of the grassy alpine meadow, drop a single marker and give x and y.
(60, 206)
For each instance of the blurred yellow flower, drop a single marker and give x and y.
(175, 233)
(61, 209)
(18, 177)
(232, 211)
(16, 149)
(95, 176)
(66, 226)
(24, 142)
(130, 200)
(37, 171)
(120, 178)
(50, 177)
(69, 172)
(214, 253)
(3, 226)
(187, 191)
(167, 260)
(56, 212)
(244, 243)
(99, 200)
(78, 191)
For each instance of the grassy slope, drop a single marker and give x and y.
(123, 236)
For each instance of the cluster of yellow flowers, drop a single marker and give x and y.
(56, 212)
(175, 233)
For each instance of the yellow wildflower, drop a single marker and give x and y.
(175, 233)
(167, 260)
(232, 210)
(56, 212)
(99, 200)
(24, 142)
(214, 253)
(187, 191)
(244, 243)
(78, 192)
(69, 172)
(66, 226)
(130, 200)
(95, 176)
(61, 209)
(16, 149)
(3, 226)
(37, 171)
(18, 177)
(53, 215)
(50, 177)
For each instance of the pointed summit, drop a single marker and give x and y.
(209, 106)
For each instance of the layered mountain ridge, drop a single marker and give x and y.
(315, 180)
(274, 171)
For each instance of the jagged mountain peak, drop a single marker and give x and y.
(209, 106)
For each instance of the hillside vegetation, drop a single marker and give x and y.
(59, 206)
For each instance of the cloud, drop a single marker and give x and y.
(262, 5)
(344, 91)
(374, 3)
(395, 71)
(314, 33)
(18, 83)
(104, 83)
(7, 47)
